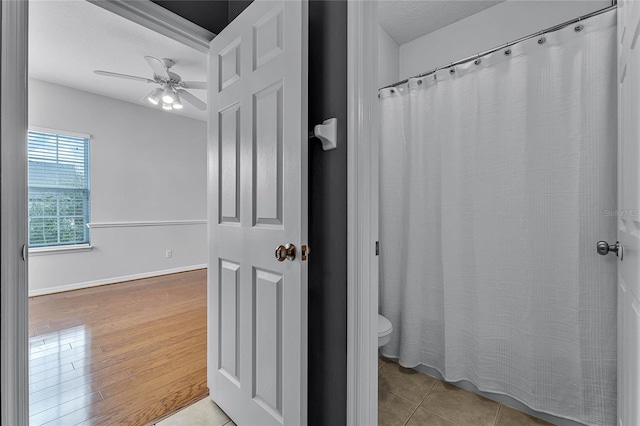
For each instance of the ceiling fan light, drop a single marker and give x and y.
(177, 104)
(167, 106)
(167, 95)
(154, 96)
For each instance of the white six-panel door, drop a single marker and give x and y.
(257, 198)
(628, 212)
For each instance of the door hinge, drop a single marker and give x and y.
(304, 252)
(24, 252)
(377, 248)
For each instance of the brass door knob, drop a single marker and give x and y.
(286, 251)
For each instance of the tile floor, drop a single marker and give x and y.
(203, 413)
(406, 397)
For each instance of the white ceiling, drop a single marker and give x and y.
(69, 39)
(406, 20)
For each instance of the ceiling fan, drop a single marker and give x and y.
(171, 89)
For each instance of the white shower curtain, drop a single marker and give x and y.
(496, 182)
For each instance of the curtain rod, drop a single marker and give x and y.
(502, 46)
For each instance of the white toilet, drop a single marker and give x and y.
(384, 330)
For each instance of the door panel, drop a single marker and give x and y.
(267, 166)
(229, 60)
(628, 212)
(267, 335)
(267, 38)
(257, 198)
(229, 179)
(229, 310)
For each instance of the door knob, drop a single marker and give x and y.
(604, 248)
(286, 251)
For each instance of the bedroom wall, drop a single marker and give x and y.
(490, 28)
(145, 166)
(388, 59)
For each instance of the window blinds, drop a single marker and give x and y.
(58, 189)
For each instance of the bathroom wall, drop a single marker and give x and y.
(327, 398)
(388, 59)
(490, 28)
(146, 166)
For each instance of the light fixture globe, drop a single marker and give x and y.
(167, 95)
(154, 96)
(166, 106)
(176, 103)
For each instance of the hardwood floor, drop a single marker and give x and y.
(127, 353)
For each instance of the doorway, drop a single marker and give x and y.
(360, 174)
(172, 260)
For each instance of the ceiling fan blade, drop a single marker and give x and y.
(192, 100)
(157, 67)
(128, 77)
(195, 85)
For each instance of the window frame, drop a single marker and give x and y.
(73, 247)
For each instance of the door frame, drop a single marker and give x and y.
(14, 301)
(14, 315)
(362, 213)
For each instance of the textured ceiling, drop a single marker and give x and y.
(68, 39)
(406, 20)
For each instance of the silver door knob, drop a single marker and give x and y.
(286, 251)
(604, 248)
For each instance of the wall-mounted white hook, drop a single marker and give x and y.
(327, 132)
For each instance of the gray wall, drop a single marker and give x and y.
(212, 15)
(328, 216)
(236, 7)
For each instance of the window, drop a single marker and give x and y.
(58, 189)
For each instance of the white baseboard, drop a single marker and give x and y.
(112, 280)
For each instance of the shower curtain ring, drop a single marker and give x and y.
(478, 60)
(435, 74)
(542, 38)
